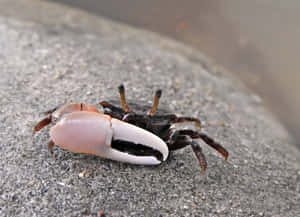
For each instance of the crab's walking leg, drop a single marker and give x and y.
(46, 121)
(42, 124)
(206, 139)
(49, 112)
(50, 146)
(187, 119)
(123, 99)
(201, 157)
(155, 102)
(180, 141)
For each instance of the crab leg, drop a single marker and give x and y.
(50, 146)
(206, 139)
(184, 140)
(178, 141)
(187, 119)
(42, 124)
(49, 112)
(123, 99)
(201, 157)
(155, 103)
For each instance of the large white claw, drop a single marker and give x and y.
(128, 132)
(94, 133)
(129, 158)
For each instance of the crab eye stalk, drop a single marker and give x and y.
(155, 103)
(123, 99)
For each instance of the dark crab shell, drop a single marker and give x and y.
(160, 122)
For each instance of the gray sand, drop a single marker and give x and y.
(51, 55)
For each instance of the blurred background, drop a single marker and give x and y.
(258, 41)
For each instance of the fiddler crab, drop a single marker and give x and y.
(123, 135)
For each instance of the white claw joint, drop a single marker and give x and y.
(98, 134)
